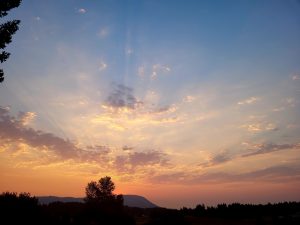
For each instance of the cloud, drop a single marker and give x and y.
(177, 177)
(270, 147)
(98, 148)
(217, 159)
(121, 111)
(127, 148)
(260, 126)
(102, 66)
(296, 76)
(248, 101)
(122, 97)
(130, 161)
(82, 11)
(256, 149)
(26, 117)
(269, 174)
(35, 148)
(189, 98)
(157, 69)
(278, 109)
(129, 51)
(12, 130)
(291, 102)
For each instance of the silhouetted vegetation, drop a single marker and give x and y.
(279, 213)
(99, 195)
(102, 206)
(18, 209)
(7, 29)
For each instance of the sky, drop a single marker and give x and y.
(183, 102)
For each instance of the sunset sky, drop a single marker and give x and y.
(181, 101)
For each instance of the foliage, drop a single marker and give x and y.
(101, 194)
(100, 191)
(25, 209)
(17, 209)
(7, 29)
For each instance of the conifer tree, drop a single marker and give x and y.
(7, 30)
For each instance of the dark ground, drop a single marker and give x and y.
(24, 209)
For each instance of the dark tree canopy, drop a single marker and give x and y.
(100, 195)
(100, 191)
(7, 29)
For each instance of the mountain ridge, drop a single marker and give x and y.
(129, 200)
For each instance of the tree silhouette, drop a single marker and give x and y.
(103, 206)
(101, 191)
(7, 29)
(101, 194)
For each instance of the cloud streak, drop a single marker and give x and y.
(133, 160)
(217, 159)
(248, 101)
(270, 147)
(14, 130)
(256, 149)
(275, 174)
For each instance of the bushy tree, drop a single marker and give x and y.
(7, 29)
(101, 194)
(100, 191)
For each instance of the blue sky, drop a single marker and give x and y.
(148, 91)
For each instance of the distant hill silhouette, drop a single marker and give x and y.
(138, 201)
(129, 200)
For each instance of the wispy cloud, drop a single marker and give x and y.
(127, 148)
(189, 98)
(269, 174)
(159, 69)
(129, 51)
(253, 149)
(260, 126)
(38, 148)
(130, 161)
(13, 130)
(102, 66)
(270, 147)
(82, 11)
(296, 77)
(291, 102)
(248, 101)
(26, 117)
(217, 159)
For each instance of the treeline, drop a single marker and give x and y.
(285, 213)
(237, 210)
(25, 209)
